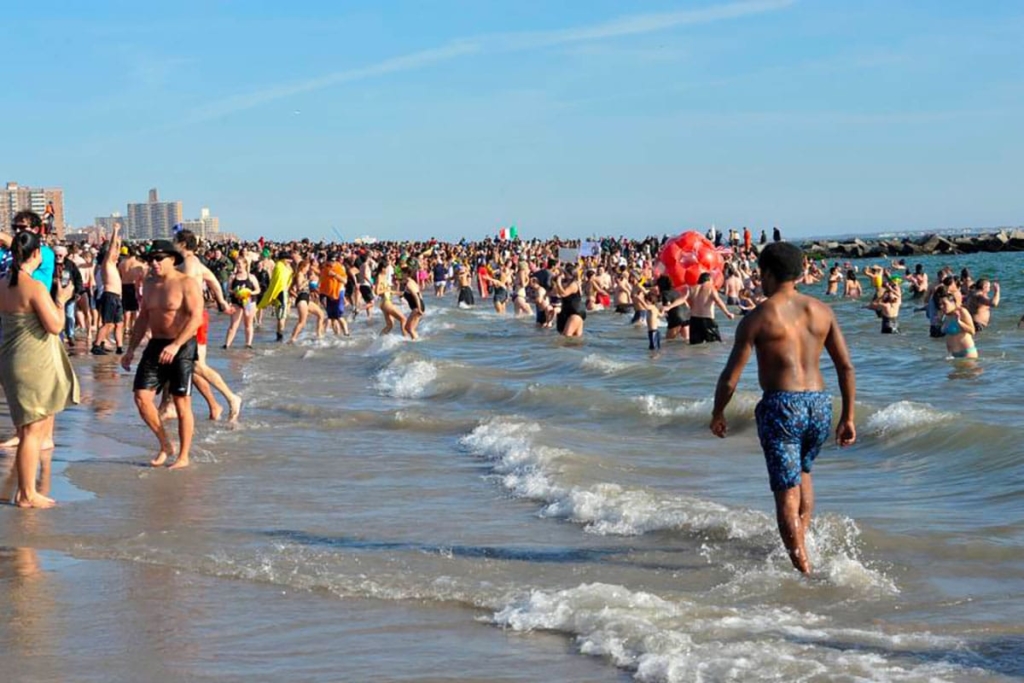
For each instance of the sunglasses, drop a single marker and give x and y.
(159, 256)
(20, 226)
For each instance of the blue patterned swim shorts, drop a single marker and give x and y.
(792, 426)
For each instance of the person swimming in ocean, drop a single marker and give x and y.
(788, 331)
(413, 296)
(957, 325)
(985, 296)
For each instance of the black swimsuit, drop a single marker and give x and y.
(415, 302)
(237, 284)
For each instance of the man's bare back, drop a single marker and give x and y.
(789, 333)
(703, 300)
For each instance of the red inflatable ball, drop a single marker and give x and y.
(686, 257)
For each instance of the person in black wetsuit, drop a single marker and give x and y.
(414, 297)
(569, 321)
(672, 303)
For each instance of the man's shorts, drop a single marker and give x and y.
(203, 333)
(130, 299)
(703, 330)
(152, 374)
(335, 308)
(792, 426)
(281, 306)
(111, 310)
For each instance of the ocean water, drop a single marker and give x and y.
(494, 502)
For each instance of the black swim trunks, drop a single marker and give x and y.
(111, 309)
(152, 374)
(704, 330)
(675, 318)
(129, 298)
(500, 295)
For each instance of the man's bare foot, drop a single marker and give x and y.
(180, 463)
(169, 413)
(215, 411)
(34, 500)
(47, 445)
(235, 402)
(161, 457)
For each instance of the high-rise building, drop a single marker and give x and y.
(205, 227)
(106, 223)
(153, 220)
(45, 201)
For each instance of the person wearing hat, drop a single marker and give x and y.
(109, 304)
(172, 311)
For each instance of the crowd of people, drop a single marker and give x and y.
(119, 297)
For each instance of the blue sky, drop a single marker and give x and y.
(454, 118)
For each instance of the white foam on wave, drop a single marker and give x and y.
(405, 378)
(529, 470)
(385, 343)
(833, 547)
(602, 364)
(742, 404)
(430, 326)
(904, 416)
(328, 341)
(676, 640)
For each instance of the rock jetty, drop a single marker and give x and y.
(924, 245)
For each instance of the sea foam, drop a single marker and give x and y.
(530, 470)
(904, 416)
(668, 640)
(603, 364)
(405, 378)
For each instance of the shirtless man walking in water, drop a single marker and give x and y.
(788, 331)
(186, 243)
(172, 308)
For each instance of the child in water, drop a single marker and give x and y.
(647, 301)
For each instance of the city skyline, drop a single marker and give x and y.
(398, 122)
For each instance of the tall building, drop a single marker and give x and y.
(16, 198)
(106, 223)
(153, 220)
(205, 227)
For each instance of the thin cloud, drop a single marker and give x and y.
(509, 42)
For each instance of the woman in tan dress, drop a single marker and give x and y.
(35, 371)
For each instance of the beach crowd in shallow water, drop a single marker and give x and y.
(156, 297)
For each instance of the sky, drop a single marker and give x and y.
(454, 118)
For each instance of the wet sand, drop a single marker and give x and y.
(73, 614)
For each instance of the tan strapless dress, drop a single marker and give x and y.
(35, 370)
